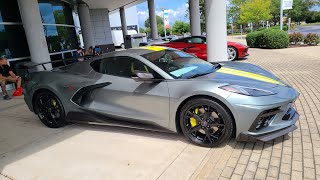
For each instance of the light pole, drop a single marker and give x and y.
(164, 22)
(281, 14)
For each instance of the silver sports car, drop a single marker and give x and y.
(207, 102)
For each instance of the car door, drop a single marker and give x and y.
(179, 44)
(127, 98)
(197, 46)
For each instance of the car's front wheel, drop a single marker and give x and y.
(232, 53)
(49, 109)
(206, 122)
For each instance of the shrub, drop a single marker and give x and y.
(273, 39)
(252, 39)
(296, 38)
(312, 39)
(268, 38)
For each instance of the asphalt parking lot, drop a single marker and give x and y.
(28, 150)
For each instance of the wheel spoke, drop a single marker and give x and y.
(208, 135)
(215, 124)
(194, 129)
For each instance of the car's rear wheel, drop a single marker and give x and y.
(206, 122)
(49, 109)
(232, 53)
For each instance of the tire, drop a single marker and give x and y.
(49, 109)
(233, 53)
(122, 46)
(218, 122)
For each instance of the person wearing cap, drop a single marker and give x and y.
(7, 75)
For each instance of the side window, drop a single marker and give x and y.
(123, 67)
(196, 40)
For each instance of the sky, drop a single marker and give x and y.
(176, 8)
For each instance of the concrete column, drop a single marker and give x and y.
(34, 31)
(216, 29)
(194, 13)
(153, 19)
(86, 27)
(123, 21)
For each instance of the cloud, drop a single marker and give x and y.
(174, 14)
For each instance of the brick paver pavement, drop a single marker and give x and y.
(294, 156)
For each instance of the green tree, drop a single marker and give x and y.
(234, 10)
(254, 11)
(180, 27)
(159, 26)
(158, 19)
(141, 30)
(275, 11)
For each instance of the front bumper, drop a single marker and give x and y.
(271, 135)
(243, 52)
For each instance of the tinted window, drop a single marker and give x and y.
(60, 38)
(196, 40)
(55, 12)
(121, 66)
(179, 40)
(9, 11)
(13, 41)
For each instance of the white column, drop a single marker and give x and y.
(34, 31)
(86, 27)
(123, 21)
(153, 19)
(216, 29)
(194, 13)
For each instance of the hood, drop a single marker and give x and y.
(248, 75)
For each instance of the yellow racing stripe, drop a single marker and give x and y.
(153, 48)
(250, 75)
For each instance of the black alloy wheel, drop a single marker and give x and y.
(49, 109)
(206, 122)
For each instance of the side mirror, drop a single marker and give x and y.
(143, 76)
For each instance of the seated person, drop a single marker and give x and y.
(78, 55)
(6, 75)
(97, 51)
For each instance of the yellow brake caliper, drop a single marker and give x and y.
(193, 121)
(54, 103)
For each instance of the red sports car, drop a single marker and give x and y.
(196, 45)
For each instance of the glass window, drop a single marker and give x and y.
(122, 66)
(60, 38)
(13, 41)
(196, 40)
(9, 11)
(180, 65)
(55, 12)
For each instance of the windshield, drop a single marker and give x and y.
(180, 65)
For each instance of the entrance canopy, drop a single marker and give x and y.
(111, 4)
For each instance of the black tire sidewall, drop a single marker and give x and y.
(61, 121)
(225, 114)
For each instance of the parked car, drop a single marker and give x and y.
(196, 45)
(165, 87)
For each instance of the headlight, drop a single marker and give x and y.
(248, 91)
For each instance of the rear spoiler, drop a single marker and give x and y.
(24, 68)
